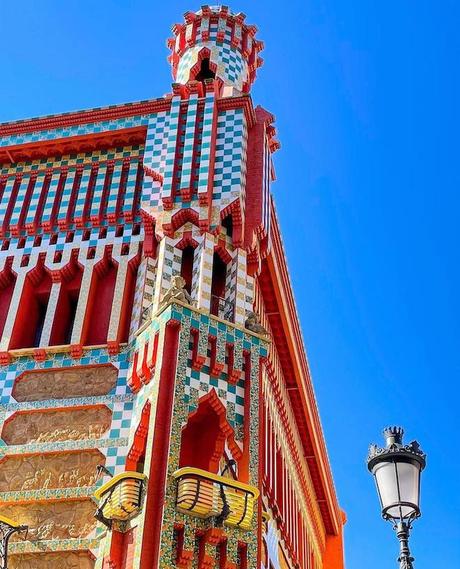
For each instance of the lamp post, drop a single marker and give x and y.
(396, 469)
(7, 529)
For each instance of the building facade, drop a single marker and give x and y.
(156, 406)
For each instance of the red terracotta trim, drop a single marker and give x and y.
(159, 462)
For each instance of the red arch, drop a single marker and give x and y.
(204, 53)
(205, 434)
(184, 215)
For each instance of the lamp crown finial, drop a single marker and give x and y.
(393, 435)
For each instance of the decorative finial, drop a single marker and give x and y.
(393, 436)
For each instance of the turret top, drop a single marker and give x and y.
(215, 42)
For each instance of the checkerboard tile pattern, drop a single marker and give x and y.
(206, 137)
(232, 68)
(230, 159)
(199, 383)
(23, 186)
(156, 150)
(189, 139)
(171, 148)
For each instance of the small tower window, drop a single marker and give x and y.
(219, 278)
(186, 269)
(227, 222)
(205, 71)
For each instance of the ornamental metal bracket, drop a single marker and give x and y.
(7, 529)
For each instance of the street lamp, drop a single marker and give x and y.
(396, 470)
(7, 529)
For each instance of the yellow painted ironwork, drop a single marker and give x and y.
(203, 494)
(120, 498)
(8, 522)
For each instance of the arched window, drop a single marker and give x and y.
(205, 71)
(202, 440)
(30, 318)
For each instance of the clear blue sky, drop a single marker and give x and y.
(366, 98)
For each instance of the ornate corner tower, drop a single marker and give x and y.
(156, 407)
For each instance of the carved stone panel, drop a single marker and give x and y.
(53, 520)
(41, 471)
(65, 383)
(61, 560)
(56, 425)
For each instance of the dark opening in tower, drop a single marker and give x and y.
(186, 269)
(219, 277)
(227, 222)
(205, 71)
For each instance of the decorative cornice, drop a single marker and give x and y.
(112, 112)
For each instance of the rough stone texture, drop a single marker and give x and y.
(57, 425)
(65, 383)
(59, 470)
(54, 520)
(62, 560)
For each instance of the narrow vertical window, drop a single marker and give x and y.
(66, 309)
(31, 314)
(186, 269)
(100, 301)
(219, 277)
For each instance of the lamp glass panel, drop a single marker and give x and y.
(398, 482)
(385, 477)
(408, 476)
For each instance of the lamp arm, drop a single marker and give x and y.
(405, 559)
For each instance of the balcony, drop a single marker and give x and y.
(120, 498)
(206, 495)
(222, 308)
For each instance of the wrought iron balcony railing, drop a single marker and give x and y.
(205, 495)
(120, 498)
(222, 308)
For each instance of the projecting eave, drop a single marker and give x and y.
(279, 301)
(82, 116)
